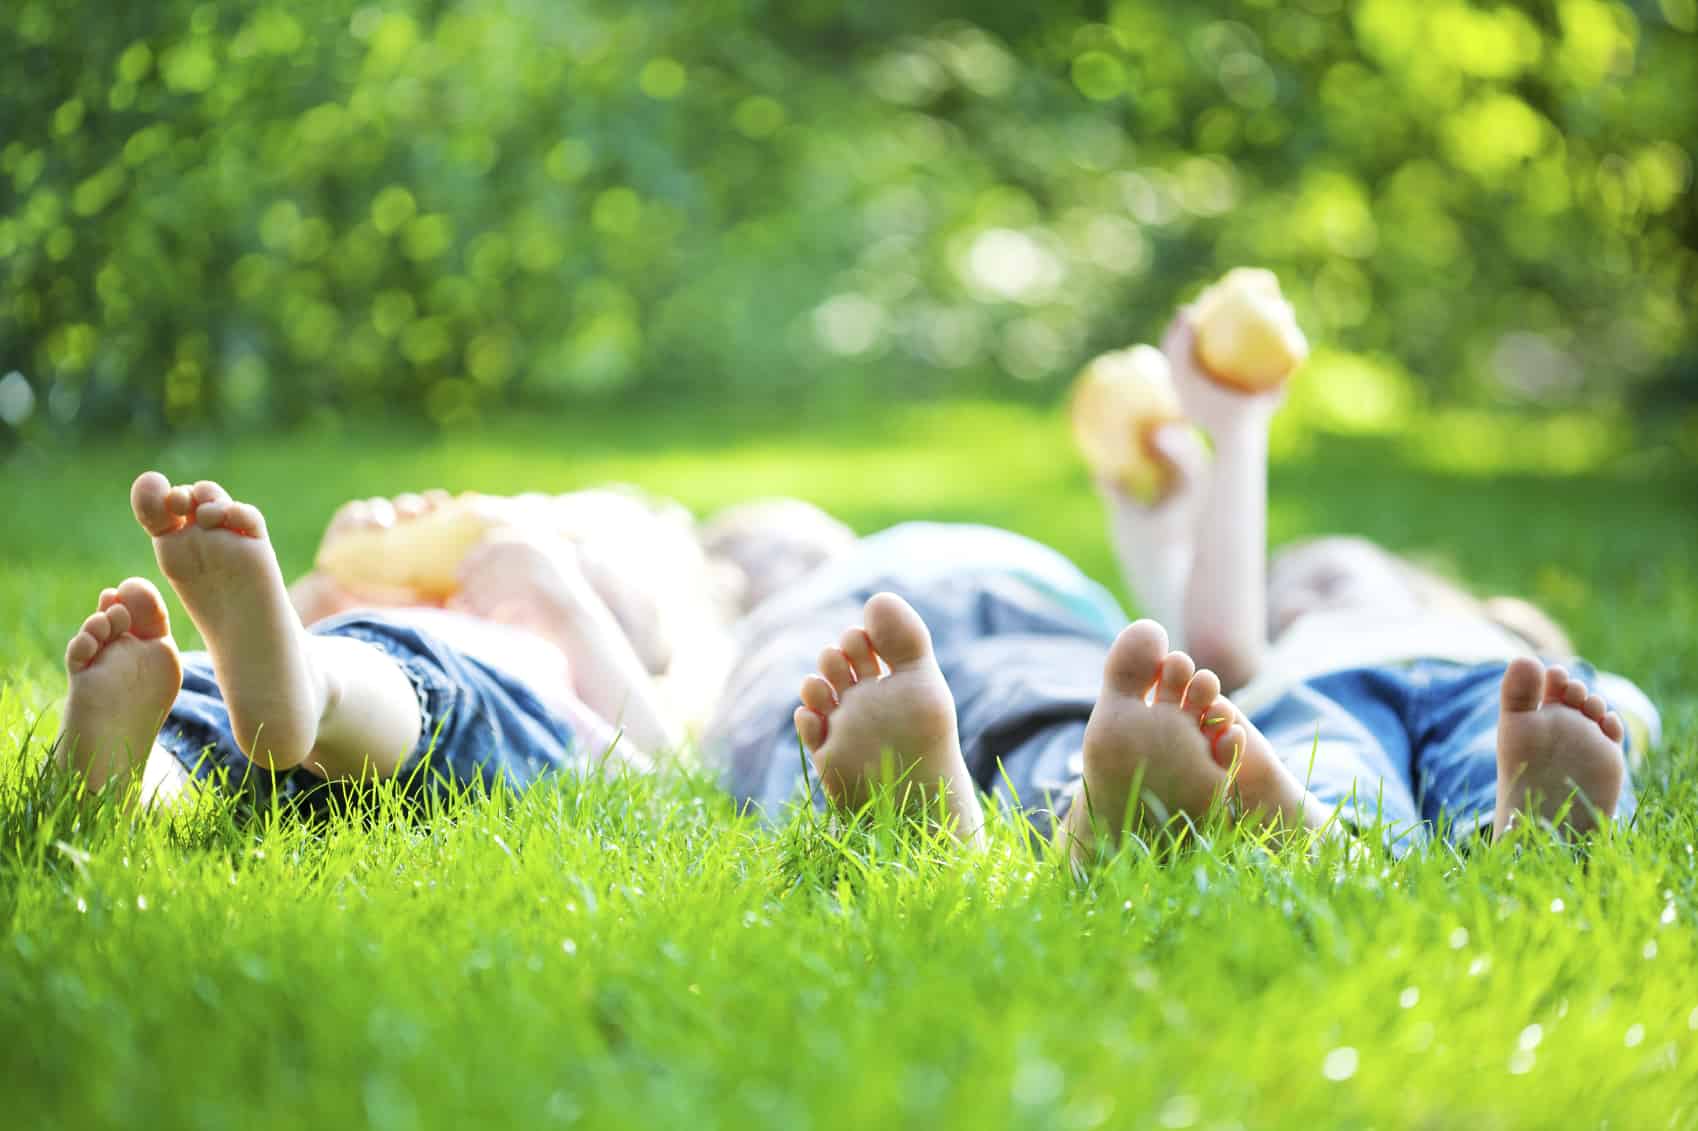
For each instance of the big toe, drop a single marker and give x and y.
(147, 499)
(1136, 658)
(1523, 685)
(896, 630)
(148, 618)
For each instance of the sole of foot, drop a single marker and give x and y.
(879, 706)
(215, 553)
(1559, 748)
(124, 675)
(1163, 728)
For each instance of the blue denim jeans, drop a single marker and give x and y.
(1402, 749)
(479, 725)
(1022, 634)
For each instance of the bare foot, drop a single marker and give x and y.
(124, 674)
(1558, 747)
(1164, 727)
(216, 555)
(852, 718)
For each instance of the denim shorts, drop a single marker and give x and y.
(1402, 750)
(479, 725)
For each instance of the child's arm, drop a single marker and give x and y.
(533, 580)
(1225, 604)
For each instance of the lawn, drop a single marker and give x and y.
(632, 953)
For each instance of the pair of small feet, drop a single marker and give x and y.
(879, 705)
(123, 664)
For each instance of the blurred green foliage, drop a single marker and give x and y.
(240, 212)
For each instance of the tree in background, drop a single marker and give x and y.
(244, 213)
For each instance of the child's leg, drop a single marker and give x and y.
(1225, 606)
(339, 705)
(1197, 559)
(1155, 543)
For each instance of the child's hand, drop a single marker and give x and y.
(1215, 408)
(520, 577)
(380, 513)
(1179, 447)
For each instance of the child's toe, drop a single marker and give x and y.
(896, 630)
(818, 696)
(141, 599)
(1595, 708)
(210, 516)
(835, 667)
(80, 651)
(150, 497)
(1226, 747)
(1574, 695)
(244, 518)
(98, 627)
(207, 491)
(1523, 684)
(1612, 727)
(1556, 683)
(811, 728)
(857, 648)
(1135, 659)
(1201, 693)
(1176, 672)
(119, 618)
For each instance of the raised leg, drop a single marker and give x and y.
(1225, 606)
(1155, 543)
(339, 706)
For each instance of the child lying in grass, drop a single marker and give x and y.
(1387, 697)
(363, 694)
(547, 650)
(1414, 705)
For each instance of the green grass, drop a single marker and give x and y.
(633, 954)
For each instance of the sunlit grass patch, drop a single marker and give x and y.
(632, 952)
